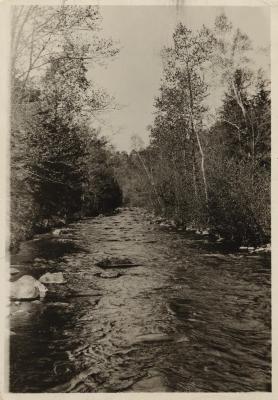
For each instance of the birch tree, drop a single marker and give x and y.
(183, 90)
(231, 62)
(39, 33)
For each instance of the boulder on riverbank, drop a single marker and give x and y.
(263, 249)
(55, 277)
(27, 288)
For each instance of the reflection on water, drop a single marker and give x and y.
(186, 319)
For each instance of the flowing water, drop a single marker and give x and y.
(187, 318)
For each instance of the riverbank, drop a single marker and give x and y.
(56, 224)
(211, 235)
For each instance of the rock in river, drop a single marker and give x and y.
(152, 338)
(27, 288)
(153, 382)
(115, 262)
(110, 274)
(221, 257)
(55, 277)
(14, 271)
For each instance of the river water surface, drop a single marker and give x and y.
(188, 317)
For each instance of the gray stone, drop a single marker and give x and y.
(55, 277)
(154, 382)
(39, 260)
(263, 249)
(182, 339)
(110, 274)
(27, 288)
(153, 337)
(14, 271)
(218, 256)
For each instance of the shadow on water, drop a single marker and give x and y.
(48, 324)
(46, 247)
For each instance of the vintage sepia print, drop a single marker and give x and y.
(140, 167)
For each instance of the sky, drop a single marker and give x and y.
(134, 76)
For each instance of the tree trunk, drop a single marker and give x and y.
(149, 176)
(247, 118)
(196, 134)
(202, 165)
(194, 172)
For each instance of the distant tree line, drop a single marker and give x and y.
(198, 172)
(60, 166)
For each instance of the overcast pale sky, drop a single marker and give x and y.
(134, 76)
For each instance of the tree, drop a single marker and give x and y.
(58, 138)
(240, 167)
(179, 120)
(231, 58)
(212, 175)
(101, 190)
(39, 34)
(53, 103)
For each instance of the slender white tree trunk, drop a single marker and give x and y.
(196, 134)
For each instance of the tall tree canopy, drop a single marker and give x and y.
(204, 171)
(53, 103)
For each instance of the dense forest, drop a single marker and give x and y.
(60, 165)
(203, 170)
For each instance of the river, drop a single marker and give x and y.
(189, 317)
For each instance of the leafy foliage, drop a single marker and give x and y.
(202, 174)
(60, 169)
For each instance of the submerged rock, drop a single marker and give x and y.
(218, 256)
(180, 307)
(110, 274)
(152, 337)
(115, 262)
(96, 271)
(70, 385)
(154, 382)
(14, 271)
(27, 288)
(182, 339)
(190, 229)
(165, 224)
(235, 256)
(39, 260)
(55, 277)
